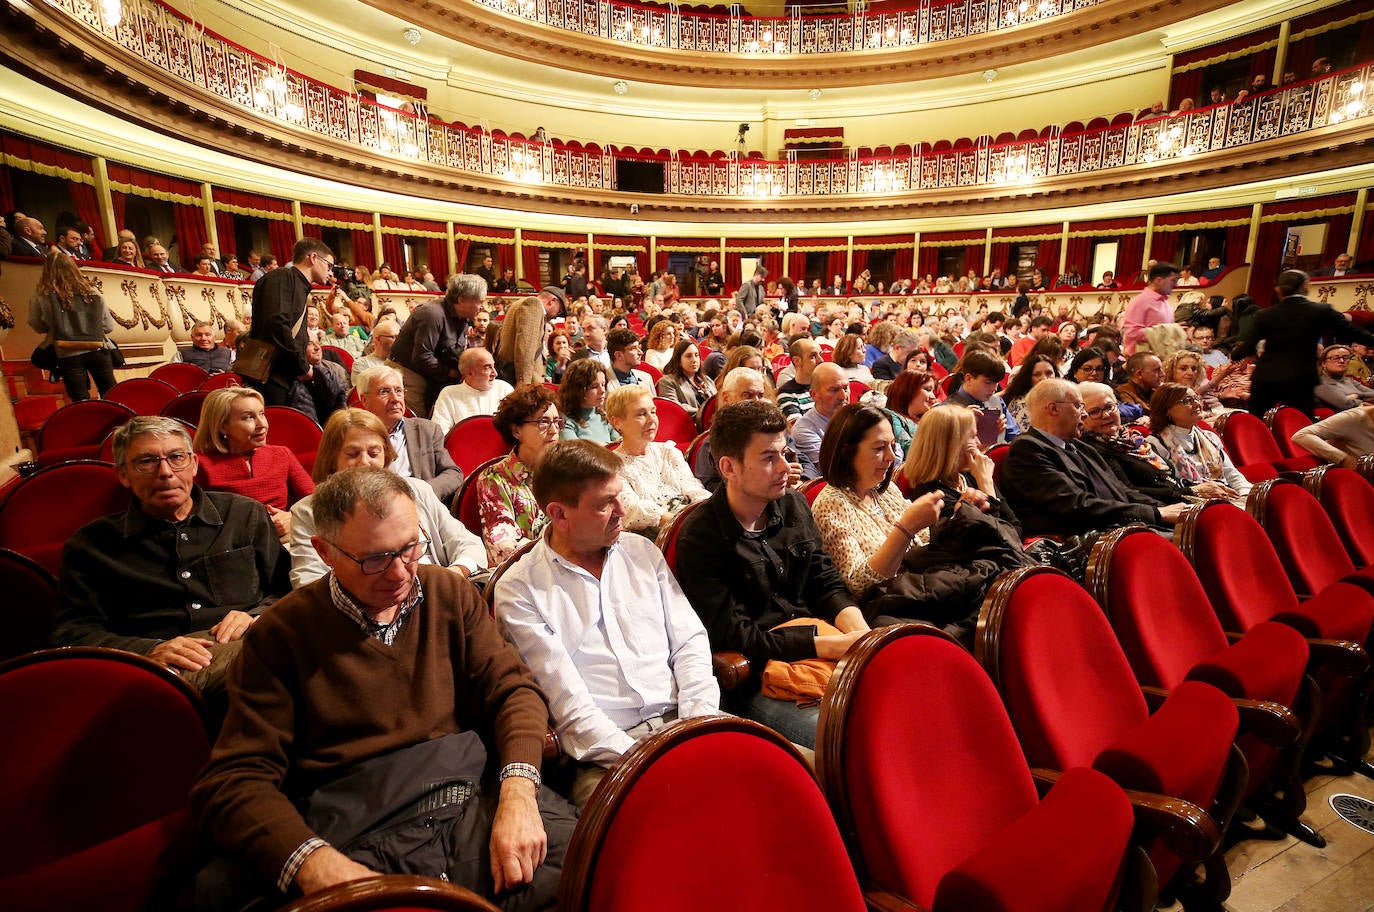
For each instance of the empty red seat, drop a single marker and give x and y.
(221, 381)
(31, 600)
(76, 430)
(1349, 502)
(294, 430)
(1254, 451)
(675, 425)
(465, 503)
(144, 395)
(186, 407)
(1285, 421)
(43, 510)
(185, 377)
(1308, 545)
(473, 442)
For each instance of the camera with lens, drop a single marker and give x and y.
(341, 273)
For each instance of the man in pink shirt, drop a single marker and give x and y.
(1150, 307)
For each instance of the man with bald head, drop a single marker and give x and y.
(30, 238)
(1059, 486)
(743, 384)
(794, 396)
(418, 442)
(479, 394)
(829, 391)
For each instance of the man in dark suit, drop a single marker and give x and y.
(155, 256)
(1287, 371)
(418, 442)
(1058, 486)
(30, 238)
(279, 302)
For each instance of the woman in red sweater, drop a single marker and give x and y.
(231, 441)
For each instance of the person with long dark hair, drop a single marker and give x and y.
(66, 306)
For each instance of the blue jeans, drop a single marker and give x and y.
(795, 723)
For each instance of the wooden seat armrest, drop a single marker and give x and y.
(1186, 829)
(1341, 656)
(730, 668)
(1273, 723)
(883, 901)
(1154, 697)
(1232, 637)
(1044, 779)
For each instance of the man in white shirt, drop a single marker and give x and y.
(479, 393)
(383, 337)
(594, 334)
(600, 620)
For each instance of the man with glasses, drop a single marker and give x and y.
(743, 384)
(353, 743)
(419, 443)
(1059, 486)
(181, 574)
(433, 338)
(279, 301)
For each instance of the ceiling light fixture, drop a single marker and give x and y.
(412, 36)
(620, 87)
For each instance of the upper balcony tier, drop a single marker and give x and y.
(173, 76)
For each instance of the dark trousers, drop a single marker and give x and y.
(287, 391)
(1266, 395)
(77, 371)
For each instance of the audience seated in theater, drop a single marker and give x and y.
(1144, 374)
(432, 339)
(893, 363)
(977, 375)
(126, 254)
(909, 398)
(355, 437)
(1127, 451)
(340, 335)
(1341, 438)
(418, 442)
(1033, 370)
(1196, 454)
(155, 257)
(355, 696)
(662, 339)
(328, 382)
(794, 395)
(683, 380)
(234, 455)
(181, 574)
(29, 238)
(750, 559)
(1339, 269)
(560, 356)
(582, 400)
(203, 352)
(744, 356)
(1186, 366)
(976, 537)
(1336, 390)
(626, 356)
(384, 335)
(528, 421)
(1058, 486)
(73, 317)
(658, 481)
(1040, 327)
(829, 391)
(479, 394)
(600, 620)
(1205, 337)
(849, 355)
(741, 385)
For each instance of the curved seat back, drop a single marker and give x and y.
(185, 377)
(474, 441)
(1302, 535)
(45, 509)
(1349, 502)
(75, 431)
(144, 395)
(1236, 564)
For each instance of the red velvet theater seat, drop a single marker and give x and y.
(933, 793)
(103, 747)
(393, 893)
(43, 510)
(75, 431)
(1169, 634)
(728, 804)
(1246, 584)
(185, 377)
(1074, 701)
(1306, 542)
(144, 395)
(1254, 451)
(1349, 503)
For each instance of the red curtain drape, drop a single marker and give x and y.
(6, 190)
(189, 222)
(224, 227)
(904, 261)
(364, 254)
(834, 265)
(1047, 257)
(393, 252)
(661, 262)
(1186, 85)
(1365, 253)
(928, 261)
(316, 232)
(438, 259)
(83, 195)
(1001, 258)
(859, 265)
(281, 236)
(1268, 260)
(1163, 245)
(461, 247)
(1081, 256)
(796, 266)
(118, 203)
(1237, 237)
(1130, 251)
(531, 258)
(1337, 236)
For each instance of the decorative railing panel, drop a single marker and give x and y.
(165, 39)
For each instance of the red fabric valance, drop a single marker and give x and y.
(147, 180)
(748, 245)
(258, 203)
(412, 224)
(1229, 46)
(621, 243)
(1173, 219)
(553, 239)
(361, 221)
(490, 235)
(883, 241)
(1027, 231)
(1123, 225)
(41, 153)
(1330, 14)
(1309, 204)
(819, 244)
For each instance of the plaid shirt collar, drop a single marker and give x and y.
(384, 632)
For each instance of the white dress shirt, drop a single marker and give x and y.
(609, 653)
(459, 401)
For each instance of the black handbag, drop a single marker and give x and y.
(116, 356)
(44, 357)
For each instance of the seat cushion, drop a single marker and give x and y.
(1065, 853)
(1341, 611)
(1266, 664)
(1181, 750)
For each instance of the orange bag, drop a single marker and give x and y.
(804, 681)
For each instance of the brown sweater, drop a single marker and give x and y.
(312, 694)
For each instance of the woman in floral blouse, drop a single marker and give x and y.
(528, 420)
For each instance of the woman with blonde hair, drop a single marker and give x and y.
(662, 339)
(231, 441)
(356, 437)
(67, 308)
(658, 482)
(1187, 367)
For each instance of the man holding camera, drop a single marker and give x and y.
(279, 302)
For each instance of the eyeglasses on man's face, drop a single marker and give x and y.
(373, 564)
(149, 464)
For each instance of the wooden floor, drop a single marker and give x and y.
(1291, 876)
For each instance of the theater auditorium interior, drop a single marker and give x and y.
(1151, 690)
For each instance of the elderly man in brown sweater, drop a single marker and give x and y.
(354, 721)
